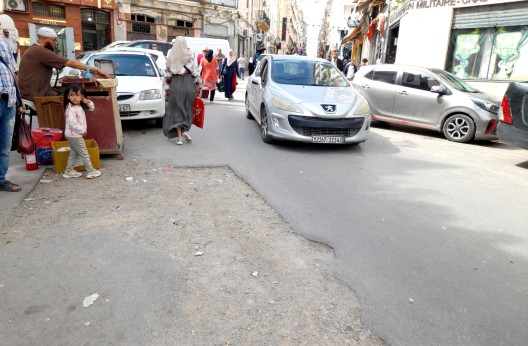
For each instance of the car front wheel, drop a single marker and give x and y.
(264, 130)
(459, 128)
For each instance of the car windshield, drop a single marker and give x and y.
(128, 65)
(310, 73)
(454, 82)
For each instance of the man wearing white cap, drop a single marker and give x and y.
(38, 62)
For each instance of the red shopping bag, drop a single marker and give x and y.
(198, 112)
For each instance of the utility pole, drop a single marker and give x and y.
(387, 33)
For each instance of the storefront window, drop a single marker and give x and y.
(141, 30)
(499, 53)
(96, 28)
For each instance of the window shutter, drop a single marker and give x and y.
(509, 14)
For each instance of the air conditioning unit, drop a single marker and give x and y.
(15, 5)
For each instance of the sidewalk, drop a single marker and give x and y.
(18, 174)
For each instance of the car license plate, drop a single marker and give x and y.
(124, 108)
(328, 139)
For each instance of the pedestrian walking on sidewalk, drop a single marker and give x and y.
(184, 83)
(230, 67)
(364, 62)
(8, 109)
(209, 75)
(75, 103)
(242, 66)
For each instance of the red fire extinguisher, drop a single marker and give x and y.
(31, 161)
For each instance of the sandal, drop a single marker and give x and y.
(9, 186)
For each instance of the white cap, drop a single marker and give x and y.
(46, 32)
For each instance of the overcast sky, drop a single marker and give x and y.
(312, 15)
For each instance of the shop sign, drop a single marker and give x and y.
(428, 4)
(71, 2)
(49, 21)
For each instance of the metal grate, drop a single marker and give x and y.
(310, 126)
(51, 11)
(308, 131)
(128, 114)
(123, 97)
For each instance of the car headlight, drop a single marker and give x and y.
(362, 108)
(150, 94)
(487, 106)
(285, 105)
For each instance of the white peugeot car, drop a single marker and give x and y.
(305, 99)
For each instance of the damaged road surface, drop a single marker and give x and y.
(189, 256)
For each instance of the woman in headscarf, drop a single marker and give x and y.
(209, 75)
(184, 82)
(230, 78)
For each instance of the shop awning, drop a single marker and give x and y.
(363, 4)
(351, 35)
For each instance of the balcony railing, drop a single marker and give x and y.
(263, 21)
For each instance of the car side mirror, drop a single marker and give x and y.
(256, 81)
(439, 89)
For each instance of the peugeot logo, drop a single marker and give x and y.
(329, 108)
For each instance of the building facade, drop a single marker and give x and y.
(79, 24)
(84, 25)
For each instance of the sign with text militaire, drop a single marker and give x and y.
(428, 4)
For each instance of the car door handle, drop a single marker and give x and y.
(403, 92)
(365, 86)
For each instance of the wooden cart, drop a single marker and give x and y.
(104, 124)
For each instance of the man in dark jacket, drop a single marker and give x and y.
(335, 60)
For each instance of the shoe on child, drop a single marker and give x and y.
(93, 174)
(71, 174)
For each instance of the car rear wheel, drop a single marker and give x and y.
(248, 112)
(159, 122)
(459, 128)
(266, 138)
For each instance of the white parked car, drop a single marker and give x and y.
(140, 91)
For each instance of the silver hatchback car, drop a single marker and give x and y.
(428, 98)
(305, 99)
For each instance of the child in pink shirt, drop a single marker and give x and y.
(75, 129)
